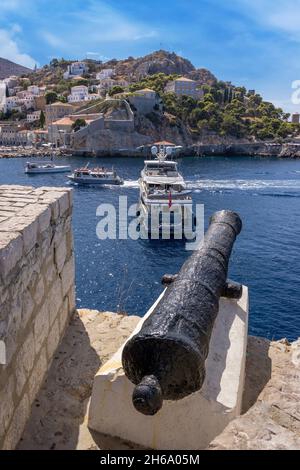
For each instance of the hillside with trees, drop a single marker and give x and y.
(224, 110)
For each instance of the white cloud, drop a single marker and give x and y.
(280, 15)
(96, 24)
(52, 39)
(9, 49)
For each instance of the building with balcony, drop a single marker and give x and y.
(33, 117)
(104, 74)
(78, 93)
(76, 69)
(184, 87)
(57, 110)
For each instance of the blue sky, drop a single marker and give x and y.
(255, 43)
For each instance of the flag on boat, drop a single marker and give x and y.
(170, 200)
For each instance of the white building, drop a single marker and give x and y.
(76, 69)
(106, 84)
(146, 93)
(3, 105)
(29, 102)
(11, 82)
(13, 103)
(12, 134)
(105, 73)
(34, 90)
(78, 93)
(33, 117)
(184, 86)
(92, 97)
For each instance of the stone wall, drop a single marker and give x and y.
(37, 295)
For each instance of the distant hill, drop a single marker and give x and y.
(159, 61)
(8, 68)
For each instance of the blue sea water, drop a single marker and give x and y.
(125, 275)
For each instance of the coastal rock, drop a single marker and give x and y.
(273, 422)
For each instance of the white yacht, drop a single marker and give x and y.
(91, 176)
(34, 168)
(165, 207)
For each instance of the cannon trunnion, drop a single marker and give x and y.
(166, 359)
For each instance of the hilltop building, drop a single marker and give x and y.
(296, 118)
(104, 74)
(75, 69)
(184, 86)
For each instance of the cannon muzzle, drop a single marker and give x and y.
(166, 359)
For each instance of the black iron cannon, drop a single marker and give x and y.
(166, 359)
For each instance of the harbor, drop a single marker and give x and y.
(124, 275)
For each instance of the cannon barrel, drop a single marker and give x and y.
(166, 359)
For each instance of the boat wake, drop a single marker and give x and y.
(131, 184)
(242, 185)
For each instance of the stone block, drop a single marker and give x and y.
(64, 316)
(68, 276)
(27, 307)
(18, 424)
(27, 226)
(41, 327)
(53, 340)
(38, 374)
(6, 405)
(39, 291)
(61, 254)
(54, 300)
(11, 250)
(24, 362)
(49, 270)
(39, 212)
(64, 203)
(190, 423)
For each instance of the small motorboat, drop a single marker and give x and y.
(95, 176)
(34, 168)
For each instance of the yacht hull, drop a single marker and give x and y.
(96, 181)
(39, 171)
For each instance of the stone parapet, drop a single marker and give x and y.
(37, 295)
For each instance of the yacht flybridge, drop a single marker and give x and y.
(165, 201)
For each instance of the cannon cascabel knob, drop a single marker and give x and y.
(147, 396)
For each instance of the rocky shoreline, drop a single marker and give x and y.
(23, 152)
(257, 149)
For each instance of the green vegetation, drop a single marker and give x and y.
(115, 90)
(155, 82)
(42, 119)
(78, 124)
(224, 109)
(51, 97)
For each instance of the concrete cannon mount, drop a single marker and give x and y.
(190, 423)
